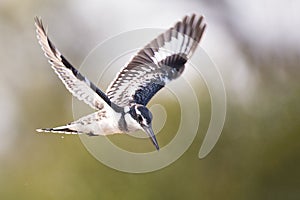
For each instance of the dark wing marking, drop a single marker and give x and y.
(75, 82)
(159, 62)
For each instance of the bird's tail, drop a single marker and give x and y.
(61, 129)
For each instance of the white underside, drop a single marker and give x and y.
(93, 124)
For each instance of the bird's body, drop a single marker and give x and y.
(99, 123)
(122, 109)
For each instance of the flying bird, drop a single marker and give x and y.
(122, 109)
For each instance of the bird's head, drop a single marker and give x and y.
(142, 115)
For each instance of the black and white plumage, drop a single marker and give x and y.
(123, 108)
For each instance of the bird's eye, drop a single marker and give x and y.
(139, 117)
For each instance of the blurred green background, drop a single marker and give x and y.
(256, 46)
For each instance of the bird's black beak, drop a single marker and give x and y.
(150, 133)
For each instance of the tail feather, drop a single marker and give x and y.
(61, 129)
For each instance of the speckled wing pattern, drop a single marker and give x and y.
(76, 83)
(159, 62)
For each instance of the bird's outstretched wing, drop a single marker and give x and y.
(76, 83)
(159, 62)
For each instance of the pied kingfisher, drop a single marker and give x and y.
(122, 109)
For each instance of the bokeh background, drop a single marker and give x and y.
(256, 46)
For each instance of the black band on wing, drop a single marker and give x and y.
(171, 67)
(176, 61)
(145, 93)
(82, 78)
